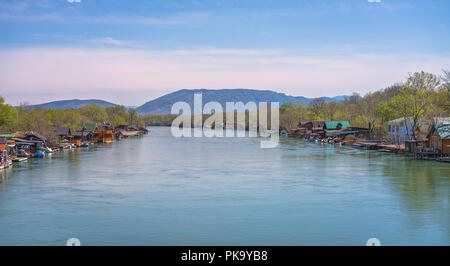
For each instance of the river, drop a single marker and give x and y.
(161, 190)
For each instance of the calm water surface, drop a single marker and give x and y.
(159, 190)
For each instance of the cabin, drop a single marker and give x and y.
(439, 138)
(34, 136)
(104, 133)
(318, 126)
(27, 147)
(415, 146)
(84, 136)
(63, 133)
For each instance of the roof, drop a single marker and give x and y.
(82, 133)
(62, 131)
(337, 124)
(442, 130)
(305, 124)
(398, 120)
(409, 120)
(441, 120)
(19, 141)
(34, 135)
(89, 127)
(104, 127)
(7, 135)
(318, 123)
(349, 130)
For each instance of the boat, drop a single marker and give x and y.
(38, 154)
(47, 150)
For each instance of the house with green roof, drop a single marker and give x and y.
(439, 138)
(88, 127)
(332, 126)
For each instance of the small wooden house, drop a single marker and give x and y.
(63, 133)
(34, 136)
(104, 133)
(439, 138)
(318, 126)
(415, 146)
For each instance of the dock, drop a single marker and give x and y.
(19, 159)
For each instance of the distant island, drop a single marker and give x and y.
(163, 104)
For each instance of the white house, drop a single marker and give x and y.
(400, 129)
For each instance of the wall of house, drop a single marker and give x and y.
(398, 132)
(445, 144)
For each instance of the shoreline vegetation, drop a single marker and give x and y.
(31, 133)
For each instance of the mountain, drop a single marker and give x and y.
(163, 104)
(75, 103)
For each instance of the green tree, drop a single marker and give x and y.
(94, 113)
(8, 115)
(133, 118)
(415, 98)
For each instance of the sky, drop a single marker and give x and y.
(132, 51)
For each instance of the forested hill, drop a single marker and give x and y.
(67, 104)
(163, 104)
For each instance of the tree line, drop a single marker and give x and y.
(23, 118)
(421, 96)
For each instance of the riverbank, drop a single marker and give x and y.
(19, 146)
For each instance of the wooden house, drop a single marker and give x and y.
(35, 137)
(63, 133)
(104, 133)
(318, 126)
(439, 138)
(415, 146)
(3, 144)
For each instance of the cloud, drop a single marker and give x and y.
(74, 1)
(374, 1)
(53, 70)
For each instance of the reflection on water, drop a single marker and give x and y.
(160, 190)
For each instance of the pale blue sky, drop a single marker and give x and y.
(132, 51)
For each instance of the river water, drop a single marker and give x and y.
(161, 190)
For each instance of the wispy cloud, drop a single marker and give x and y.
(179, 19)
(105, 41)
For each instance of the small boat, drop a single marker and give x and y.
(47, 150)
(38, 154)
